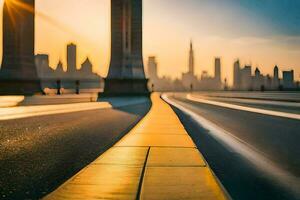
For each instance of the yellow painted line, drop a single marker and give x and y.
(244, 108)
(158, 163)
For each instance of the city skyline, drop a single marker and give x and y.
(265, 48)
(162, 119)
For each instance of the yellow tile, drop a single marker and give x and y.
(175, 157)
(124, 156)
(171, 172)
(172, 183)
(87, 192)
(101, 182)
(158, 130)
(163, 132)
(141, 140)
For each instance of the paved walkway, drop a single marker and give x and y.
(19, 112)
(156, 160)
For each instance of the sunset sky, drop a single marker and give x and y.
(262, 33)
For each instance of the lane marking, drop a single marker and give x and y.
(244, 108)
(34, 111)
(283, 177)
(251, 101)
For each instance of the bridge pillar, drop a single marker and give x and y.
(18, 75)
(126, 72)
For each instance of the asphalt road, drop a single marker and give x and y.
(38, 154)
(276, 96)
(271, 104)
(274, 138)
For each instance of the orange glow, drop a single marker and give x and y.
(88, 25)
(19, 5)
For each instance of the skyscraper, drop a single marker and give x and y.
(191, 60)
(189, 80)
(152, 68)
(72, 58)
(276, 73)
(218, 69)
(237, 75)
(126, 72)
(18, 73)
(288, 79)
(276, 81)
(246, 78)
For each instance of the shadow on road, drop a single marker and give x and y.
(38, 154)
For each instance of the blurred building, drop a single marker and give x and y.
(72, 59)
(218, 69)
(276, 80)
(69, 78)
(189, 80)
(218, 79)
(164, 83)
(258, 80)
(152, 68)
(243, 79)
(246, 78)
(288, 79)
(42, 65)
(237, 75)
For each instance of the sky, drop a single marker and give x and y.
(262, 33)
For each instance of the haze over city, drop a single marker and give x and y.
(257, 33)
(150, 99)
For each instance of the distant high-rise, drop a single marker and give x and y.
(42, 65)
(258, 80)
(72, 58)
(237, 75)
(18, 73)
(288, 79)
(87, 68)
(246, 78)
(191, 60)
(126, 72)
(276, 81)
(257, 72)
(276, 73)
(218, 69)
(59, 71)
(189, 79)
(152, 68)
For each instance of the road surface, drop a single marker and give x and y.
(255, 155)
(39, 153)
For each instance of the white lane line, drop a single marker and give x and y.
(33, 111)
(244, 108)
(251, 101)
(283, 177)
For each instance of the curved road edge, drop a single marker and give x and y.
(256, 158)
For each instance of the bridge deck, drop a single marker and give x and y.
(156, 160)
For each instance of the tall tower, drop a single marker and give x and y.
(18, 74)
(126, 74)
(191, 60)
(237, 75)
(276, 73)
(218, 69)
(71, 58)
(152, 68)
(276, 82)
